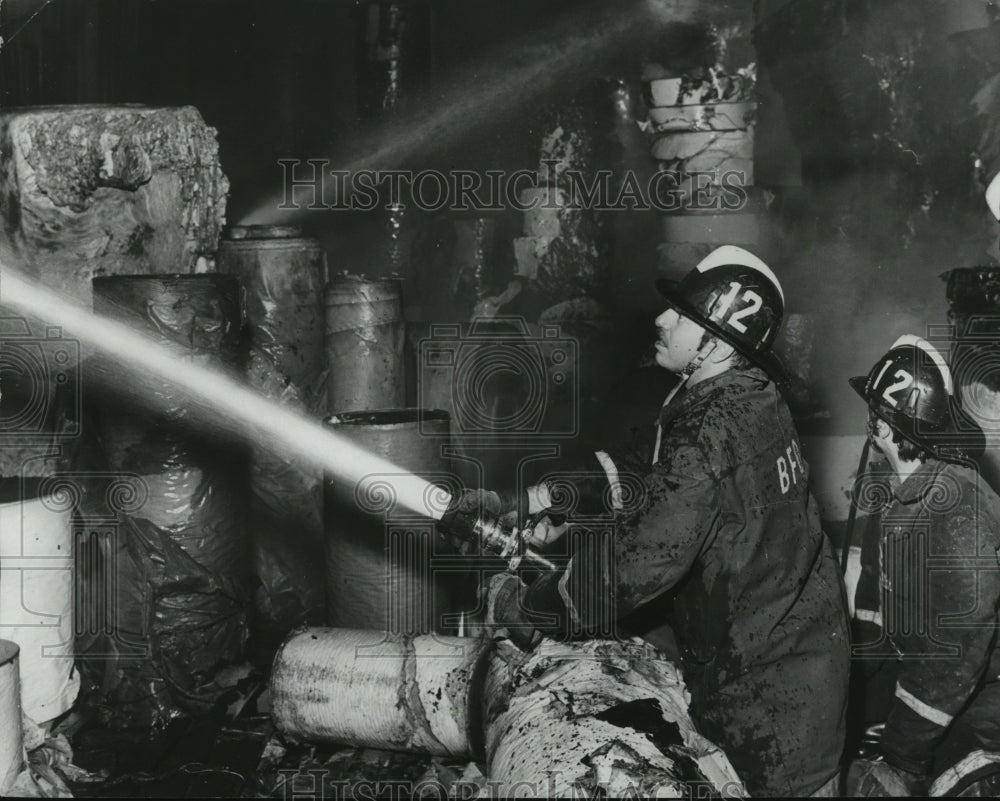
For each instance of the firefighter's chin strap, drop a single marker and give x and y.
(685, 375)
(853, 513)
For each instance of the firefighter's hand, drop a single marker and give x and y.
(505, 612)
(465, 509)
(544, 532)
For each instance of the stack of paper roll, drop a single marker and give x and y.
(706, 147)
(562, 247)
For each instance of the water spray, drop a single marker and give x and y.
(236, 407)
(495, 87)
(231, 404)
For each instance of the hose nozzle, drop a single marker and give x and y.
(496, 538)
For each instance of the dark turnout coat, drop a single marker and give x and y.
(729, 533)
(931, 591)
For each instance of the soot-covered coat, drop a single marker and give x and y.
(728, 534)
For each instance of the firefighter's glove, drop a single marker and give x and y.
(464, 511)
(505, 611)
(469, 506)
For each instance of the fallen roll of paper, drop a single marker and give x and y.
(569, 718)
(564, 718)
(378, 690)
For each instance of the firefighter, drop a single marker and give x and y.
(938, 583)
(725, 545)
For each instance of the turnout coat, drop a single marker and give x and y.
(929, 594)
(726, 547)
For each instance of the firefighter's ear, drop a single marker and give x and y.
(723, 352)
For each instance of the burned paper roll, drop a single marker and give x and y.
(197, 485)
(371, 689)
(736, 116)
(599, 714)
(745, 228)
(283, 273)
(707, 151)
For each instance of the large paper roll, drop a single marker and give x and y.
(36, 594)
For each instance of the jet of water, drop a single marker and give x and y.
(489, 91)
(223, 401)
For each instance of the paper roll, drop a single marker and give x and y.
(36, 593)
(11, 732)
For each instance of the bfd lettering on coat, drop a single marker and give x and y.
(790, 467)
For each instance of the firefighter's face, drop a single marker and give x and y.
(678, 340)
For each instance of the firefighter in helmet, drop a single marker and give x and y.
(935, 582)
(723, 544)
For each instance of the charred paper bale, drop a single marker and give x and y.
(99, 190)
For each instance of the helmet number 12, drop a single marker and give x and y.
(753, 300)
(903, 380)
